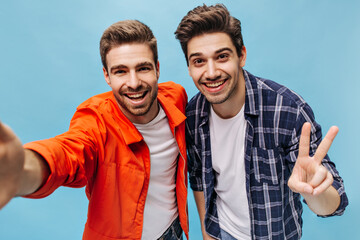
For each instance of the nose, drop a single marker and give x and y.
(133, 82)
(211, 71)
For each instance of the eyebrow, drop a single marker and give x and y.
(224, 49)
(142, 64)
(117, 67)
(216, 52)
(194, 55)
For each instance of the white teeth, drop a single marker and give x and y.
(139, 95)
(214, 85)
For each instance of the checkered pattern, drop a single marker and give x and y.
(274, 116)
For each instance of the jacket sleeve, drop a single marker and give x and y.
(305, 114)
(71, 156)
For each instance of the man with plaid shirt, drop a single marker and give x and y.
(254, 146)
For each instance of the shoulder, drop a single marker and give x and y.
(97, 100)
(172, 88)
(197, 102)
(99, 106)
(196, 110)
(270, 91)
(275, 102)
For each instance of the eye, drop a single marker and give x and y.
(119, 71)
(198, 61)
(144, 69)
(223, 56)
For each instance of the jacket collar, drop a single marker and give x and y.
(173, 113)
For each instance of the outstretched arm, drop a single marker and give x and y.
(310, 178)
(21, 171)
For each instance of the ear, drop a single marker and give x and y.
(157, 69)
(106, 75)
(243, 57)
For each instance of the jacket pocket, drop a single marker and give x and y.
(267, 165)
(114, 200)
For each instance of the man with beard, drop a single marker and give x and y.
(254, 146)
(126, 146)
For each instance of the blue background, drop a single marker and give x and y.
(49, 64)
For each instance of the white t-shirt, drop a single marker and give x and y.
(160, 206)
(227, 138)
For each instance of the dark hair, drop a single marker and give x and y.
(127, 31)
(209, 19)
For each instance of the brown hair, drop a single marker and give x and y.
(209, 19)
(127, 31)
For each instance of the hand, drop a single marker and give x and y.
(309, 176)
(11, 164)
(205, 235)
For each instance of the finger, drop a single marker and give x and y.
(319, 176)
(304, 144)
(300, 187)
(324, 185)
(325, 144)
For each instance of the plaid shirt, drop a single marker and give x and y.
(274, 116)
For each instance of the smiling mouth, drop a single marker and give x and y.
(136, 96)
(214, 84)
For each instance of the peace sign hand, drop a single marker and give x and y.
(309, 176)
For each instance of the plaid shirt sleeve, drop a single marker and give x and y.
(305, 114)
(194, 161)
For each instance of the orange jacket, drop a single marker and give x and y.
(104, 151)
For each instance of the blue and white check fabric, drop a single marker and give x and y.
(274, 116)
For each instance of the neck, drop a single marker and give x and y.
(234, 103)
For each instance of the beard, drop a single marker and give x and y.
(137, 110)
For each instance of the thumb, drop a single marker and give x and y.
(300, 187)
(5, 198)
(6, 134)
